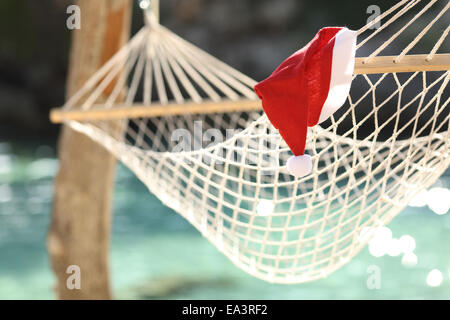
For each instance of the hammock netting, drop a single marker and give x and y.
(385, 145)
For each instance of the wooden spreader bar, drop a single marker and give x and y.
(376, 65)
(156, 110)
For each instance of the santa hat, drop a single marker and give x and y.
(307, 88)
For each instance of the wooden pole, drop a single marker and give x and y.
(155, 9)
(386, 64)
(81, 219)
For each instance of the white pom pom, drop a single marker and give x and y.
(299, 166)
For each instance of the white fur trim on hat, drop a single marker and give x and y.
(342, 66)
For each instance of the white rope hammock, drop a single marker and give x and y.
(389, 142)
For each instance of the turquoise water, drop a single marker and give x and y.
(156, 254)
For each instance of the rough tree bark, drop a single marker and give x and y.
(81, 219)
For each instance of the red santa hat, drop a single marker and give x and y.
(307, 88)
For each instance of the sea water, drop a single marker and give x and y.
(156, 254)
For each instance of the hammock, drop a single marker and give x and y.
(386, 144)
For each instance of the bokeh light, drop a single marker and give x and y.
(144, 4)
(265, 207)
(384, 243)
(394, 248)
(434, 278)
(380, 243)
(438, 200)
(420, 200)
(407, 243)
(409, 259)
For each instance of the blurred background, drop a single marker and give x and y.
(155, 253)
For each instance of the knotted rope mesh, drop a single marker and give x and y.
(224, 171)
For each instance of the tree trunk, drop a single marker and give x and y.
(81, 219)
